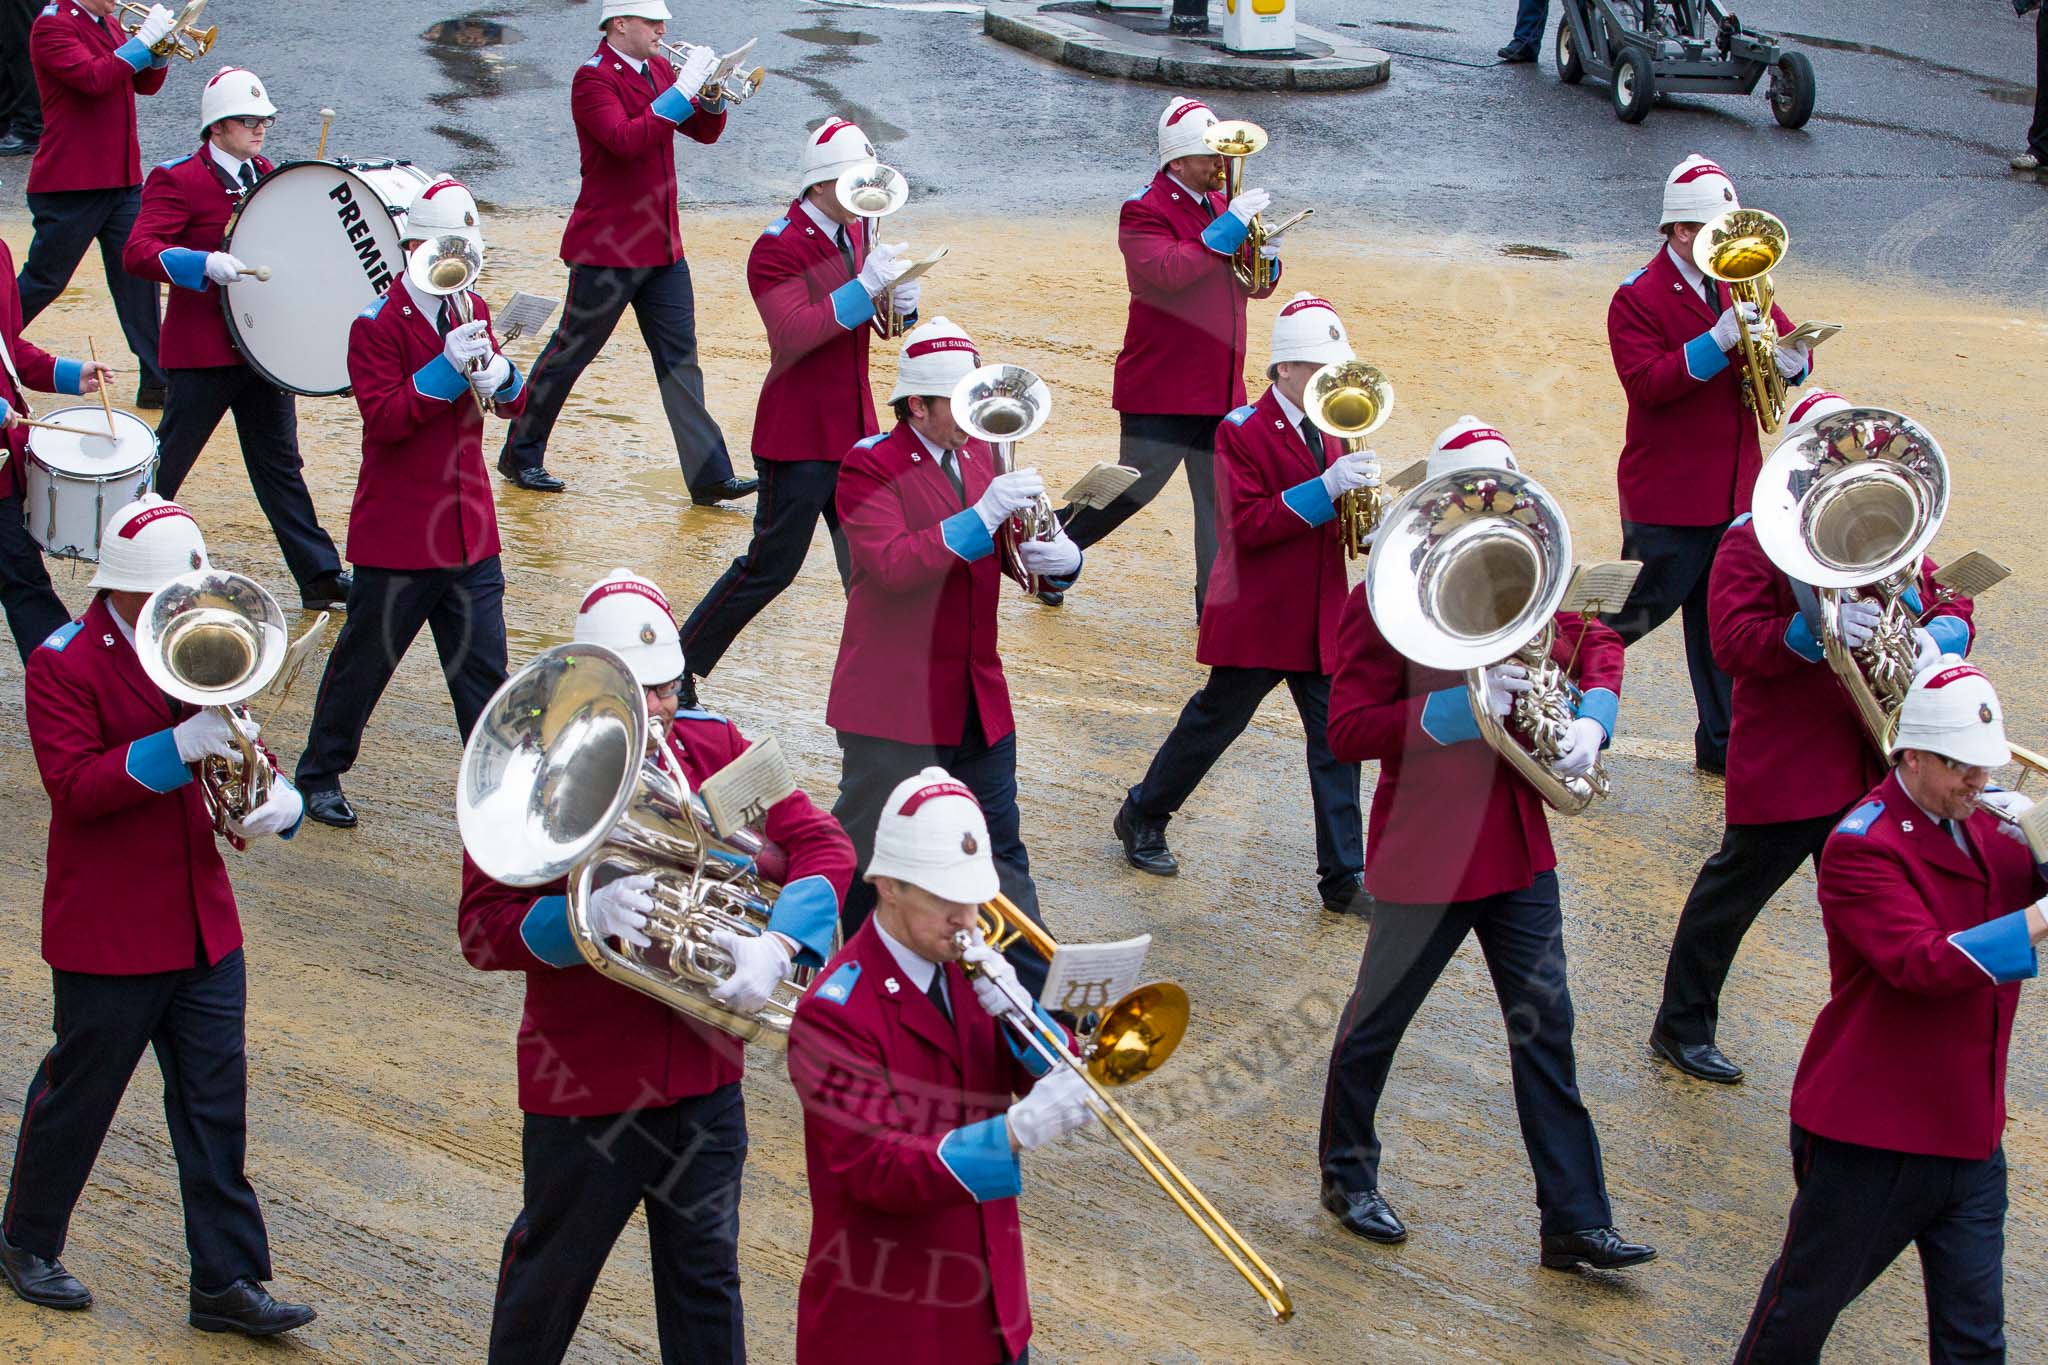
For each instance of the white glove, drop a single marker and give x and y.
(1578, 748)
(996, 987)
(279, 813)
(1926, 653)
(903, 297)
(760, 962)
(466, 343)
(1500, 684)
(619, 909)
(1249, 204)
(2014, 805)
(1859, 620)
(156, 26)
(1058, 1104)
(1055, 558)
(1270, 251)
(1792, 360)
(1727, 332)
(1007, 495)
(1354, 469)
(208, 735)
(698, 64)
(882, 266)
(491, 377)
(222, 268)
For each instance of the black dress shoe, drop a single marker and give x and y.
(1512, 55)
(328, 592)
(246, 1307)
(1357, 901)
(14, 144)
(1701, 1060)
(330, 807)
(1366, 1213)
(150, 396)
(1052, 597)
(1714, 767)
(1144, 842)
(725, 490)
(534, 480)
(1600, 1248)
(46, 1283)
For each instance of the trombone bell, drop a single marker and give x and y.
(1138, 1033)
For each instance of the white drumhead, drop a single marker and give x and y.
(329, 233)
(93, 457)
(73, 482)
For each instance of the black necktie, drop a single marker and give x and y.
(1710, 293)
(248, 176)
(950, 462)
(845, 249)
(936, 993)
(1313, 437)
(648, 72)
(447, 318)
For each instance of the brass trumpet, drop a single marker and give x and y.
(184, 40)
(1135, 1035)
(1741, 248)
(1234, 140)
(1352, 400)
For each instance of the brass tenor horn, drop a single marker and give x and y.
(1741, 248)
(1351, 400)
(185, 39)
(872, 192)
(1002, 405)
(564, 776)
(1234, 140)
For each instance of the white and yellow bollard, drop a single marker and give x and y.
(1258, 25)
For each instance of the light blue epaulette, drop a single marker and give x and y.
(48, 10)
(62, 635)
(870, 442)
(1860, 820)
(712, 716)
(374, 308)
(1134, 198)
(1238, 417)
(174, 162)
(596, 60)
(1634, 277)
(1739, 521)
(839, 986)
(775, 229)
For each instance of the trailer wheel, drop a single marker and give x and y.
(1635, 89)
(1571, 69)
(1792, 90)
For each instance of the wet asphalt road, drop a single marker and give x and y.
(1902, 169)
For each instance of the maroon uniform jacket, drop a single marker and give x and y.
(37, 367)
(920, 633)
(591, 1046)
(1451, 820)
(914, 1237)
(1927, 945)
(185, 209)
(625, 214)
(1278, 588)
(88, 96)
(423, 496)
(816, 401)
(1184, 345)
(1796, 749)
(134, 882)
(1690, 455)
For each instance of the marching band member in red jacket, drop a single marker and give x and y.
(32, 606)
(139, 961)
(423, 532)
(624, 245)
(1182, 363)
(84, 185)
(815, 284)
(1798, 759)
(630, 1103)
(1933, 915)
(185, 209)
(911, 1138)
(918, 680)
(1690, 456)
(1459, 844)
(1274, 601)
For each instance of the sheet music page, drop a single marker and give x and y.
(1973, 574)
(1101, 485)
(740, 793)
(927, 263)
(1093, 976)
(730, 62)
(1597, 588)
(524, 315)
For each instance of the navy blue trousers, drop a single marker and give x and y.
(32, 605)
(1677, 561)
(1211, 722)
(1521, 934)
(665, 306)
(584, 1178)
(794, 496)
(21, 107)
(193, 1019)
(1530, 19)
(1857, 1209)
(465, 609)
(1155, 445)
(67, 223)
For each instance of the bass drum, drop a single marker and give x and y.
(329, 231)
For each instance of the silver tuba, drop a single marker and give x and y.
(564, 776)
(1467, 571)
(1848, 507)
(1002, 405)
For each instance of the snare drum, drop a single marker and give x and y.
(329, 231)
(74, 483)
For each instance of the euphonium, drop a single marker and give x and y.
(183, 40)
(1467, 571)
(1848, 507)
(1741, 248)
(1351, 400)
(564, 776)
(1002, 405)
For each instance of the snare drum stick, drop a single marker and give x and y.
(106, 399)
(326, 121)
(19, 421)
(260, 273)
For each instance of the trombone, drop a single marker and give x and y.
(1351, 400)
(1741, 248)
(183, 40)
(1234, 140)
(871, 193)
(1135, 1035)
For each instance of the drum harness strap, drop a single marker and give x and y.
(21, 393)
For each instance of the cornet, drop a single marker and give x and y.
(1001, 405)
(735, 87)
(183, 40)
(1352, 400)
(1234, 140)
(871, 193)
(1741, 248)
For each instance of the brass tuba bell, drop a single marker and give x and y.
(1351, 400)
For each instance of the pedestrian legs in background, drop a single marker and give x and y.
(1530, 18)
(2036, 153)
